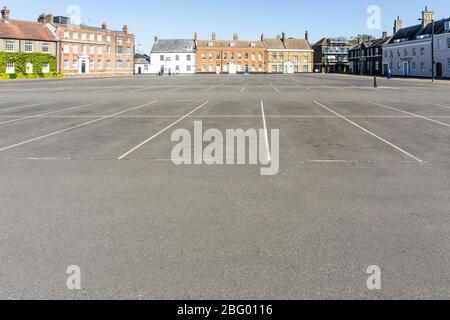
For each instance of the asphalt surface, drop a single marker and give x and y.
(364, 180)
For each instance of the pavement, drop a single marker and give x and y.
(87, 180)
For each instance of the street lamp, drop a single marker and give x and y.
(432, 49)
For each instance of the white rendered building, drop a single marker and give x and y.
(175, 56)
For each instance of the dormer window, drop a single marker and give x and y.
(232, 44)
(447, 26)
(252, 45)
(210, 44)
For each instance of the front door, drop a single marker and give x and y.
(83, 66)
(139, 70)
(439, 70)
(406, 69)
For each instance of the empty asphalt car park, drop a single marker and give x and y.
(87, 179)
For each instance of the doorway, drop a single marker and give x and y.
(139, 70)
(406, 70)
(439, 70)
(83, 66)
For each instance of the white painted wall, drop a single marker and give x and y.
(442, 52)
(145, 68)
(396, 62)
(170, 62)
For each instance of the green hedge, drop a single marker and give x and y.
(20, 60)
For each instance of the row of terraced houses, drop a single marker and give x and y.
(52, 44)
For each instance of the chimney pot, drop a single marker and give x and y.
(235, 37)
(5, 13)
(214, 36)
(125, 29)
(104, 26)
(262, 37)
(306, 35)
(156, 40)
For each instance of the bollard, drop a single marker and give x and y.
(375, 85)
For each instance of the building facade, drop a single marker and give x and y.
(141, 64)
(85, 50)
(230, 56)
(288, 55)
(409, 52)
(173, 56)
(367, 57)
(17, 36)
(331, 55)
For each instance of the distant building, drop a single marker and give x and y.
(141, 63)
(288, 55)
(88, 50)
(230, 56)
(367, 56)
(173, 56)
(17, 36)
(331, 55)
(409, 53)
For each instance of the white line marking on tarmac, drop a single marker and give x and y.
(369, 132)
(74, 127)
(410, 113)
(436, 104)
(266, 134)
(51, 112)
(243, 88)
(274, 88)
(22, 107)
(174, 89)
(162, 131)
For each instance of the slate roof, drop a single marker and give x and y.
(411, 33)
(174, 45)
(25, 30)
(274, 44)
(141, 59)
(297, 44)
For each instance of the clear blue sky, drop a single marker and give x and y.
(249, 18)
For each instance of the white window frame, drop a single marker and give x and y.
(66, 65)
(66, 34)
(99, 37)
(92, 49)
(75, 48)
(10, 45)
(91, 37)
(99, 49)
(108, 49)
(99, 64)
(75, 35)
(75, 65)
(45, 47)
(29, 46)
(83, 36)
(66, 48)
(108, 64)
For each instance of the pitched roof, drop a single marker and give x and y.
(141, 58)
(274, 44)
(174, 45)
(297, 44)
(25, 30)
(226, 43)
(413, 32)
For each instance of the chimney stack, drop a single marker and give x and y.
(385, 35)
(156, 39)
(5, 13)
(262, 37)
(306, 35)
(125, 29)
(235, 37)
(398, 25)
(195, 36)
(213, 36)
(370, 38)
(427, 17)
(283, 37)
(104, 26)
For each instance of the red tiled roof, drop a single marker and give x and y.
(25, 30)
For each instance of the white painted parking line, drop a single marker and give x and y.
(274, 88)
(266, 134)
(410, 113)
(174, 89)
(23, 107)
(51, 112)
(161, 132)
(436, 104)
(75, 127)
(371, 133)
(243, 88)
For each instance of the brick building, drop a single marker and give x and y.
(230, 56)
(91, 50)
